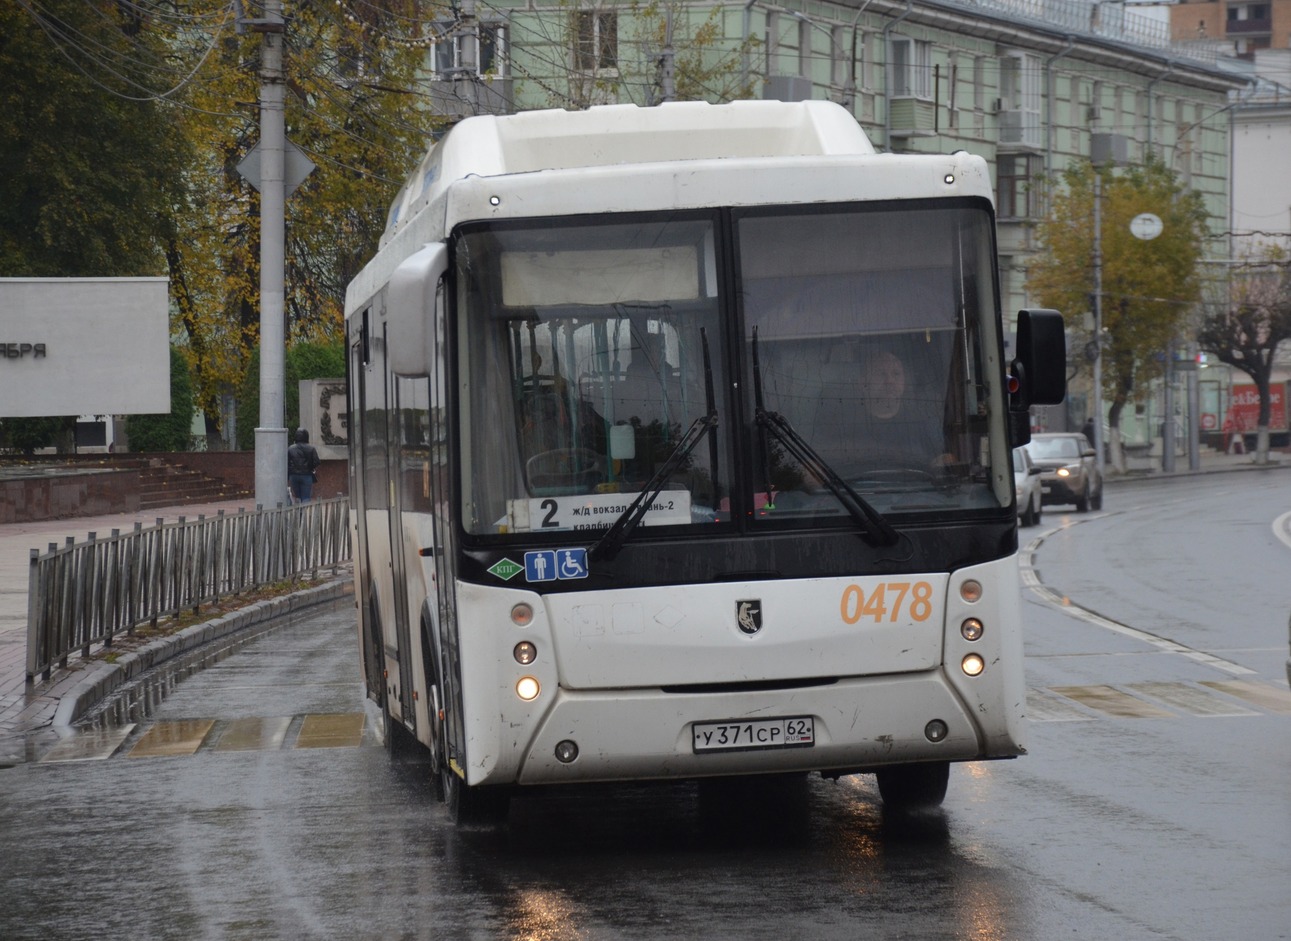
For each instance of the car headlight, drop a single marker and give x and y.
(1064, 472)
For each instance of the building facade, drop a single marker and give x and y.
(1028, 84)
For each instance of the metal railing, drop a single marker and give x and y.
(84, 594)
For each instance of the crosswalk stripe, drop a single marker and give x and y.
(93, 745)
(1113, 702)
(254, 734)
(1264, 695)
(1189, 699)
(331, 731)
(182, 737)
(1043, 707)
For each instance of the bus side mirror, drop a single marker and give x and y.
(1041, 364)
(409, 303)
(1038, 376)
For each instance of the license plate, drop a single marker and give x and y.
(749, 735)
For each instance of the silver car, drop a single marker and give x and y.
(1026, 486)
(1068, 469)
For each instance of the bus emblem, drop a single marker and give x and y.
(748, 614)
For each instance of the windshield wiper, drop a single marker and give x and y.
(874, 528)
(608, 546)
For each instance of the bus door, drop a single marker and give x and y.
(444, 628)
(369, 626)
(401, 440)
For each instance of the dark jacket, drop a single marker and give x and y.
(302, 459)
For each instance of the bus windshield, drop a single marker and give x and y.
(588, 350)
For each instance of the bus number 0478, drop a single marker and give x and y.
(886, 600)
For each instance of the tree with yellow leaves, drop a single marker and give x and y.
(1149, 286)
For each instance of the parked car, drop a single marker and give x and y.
(1026, 484)
(1068, 470)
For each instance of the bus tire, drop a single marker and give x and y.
(438, 733)
(473, 805)
(914, 786)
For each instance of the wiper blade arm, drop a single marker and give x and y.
(874, 528)
(608, 546)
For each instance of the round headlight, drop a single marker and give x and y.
(971, 629)
(527, 688)
(525, 652)
(973, 665)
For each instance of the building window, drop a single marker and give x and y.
(488, 45)
(839, 67)
(911, 68)
(1017, 194)
(596, 40)
(1020, 96)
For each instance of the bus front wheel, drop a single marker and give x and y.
(473, 805)
(915, 786)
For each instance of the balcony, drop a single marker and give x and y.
(1020, 130)
(1258, 27)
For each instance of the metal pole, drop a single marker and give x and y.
(1194, 411)
(271, 436)
(1167, 420)
(1098, 321)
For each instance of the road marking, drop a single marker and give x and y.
(1264, 695)
(1282, 528)
(1135, 700)
(1189, 699)
(94, 745)
(254, 734)
(1045, 707)
(182, 737)
(188, 736)
(1113, 702)
(1030, 577)
(332, 731)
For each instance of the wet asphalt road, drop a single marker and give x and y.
(1173, 822)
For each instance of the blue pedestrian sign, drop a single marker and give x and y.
(540, 566)
(548, 565)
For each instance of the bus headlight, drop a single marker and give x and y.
(525, 652)
(522, 614)
(973, 665)
(527, 688)
(971, 590)
(971, 629)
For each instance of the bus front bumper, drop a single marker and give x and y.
(857, 724)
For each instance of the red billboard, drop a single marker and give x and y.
(1244, 408)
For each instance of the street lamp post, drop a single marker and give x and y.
(1098, 320)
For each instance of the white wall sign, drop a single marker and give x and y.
(84, 346)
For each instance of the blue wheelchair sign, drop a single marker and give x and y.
(549, 565)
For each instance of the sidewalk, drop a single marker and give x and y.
(24, 709)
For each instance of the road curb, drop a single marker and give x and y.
(1118, 480)
(141, 678)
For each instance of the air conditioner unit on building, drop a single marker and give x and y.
(997, 106)
(1093, 113)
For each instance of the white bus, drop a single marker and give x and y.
(681, 448)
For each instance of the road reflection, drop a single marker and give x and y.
(782, 857)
